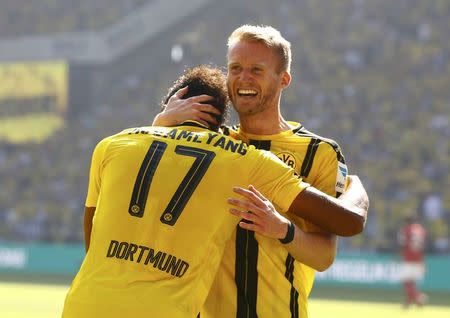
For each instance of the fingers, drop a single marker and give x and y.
(244, 215)
(175, 97)
(250, 196)
(200, 98)
(353, 178)
(255, 191)
(181, 92)
(205, 118)
(244, 205)
(208, 108)
(251, 227)
(194, 99)
(257, 213)
(251, 222)
(350, 179)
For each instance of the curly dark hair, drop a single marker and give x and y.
(204, 79)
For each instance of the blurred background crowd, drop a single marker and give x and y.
(25, 17)
(372, 75)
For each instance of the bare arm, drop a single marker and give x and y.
(305, 245)
(345, 216)
(268, 222)
(178, 110)
(88, 216)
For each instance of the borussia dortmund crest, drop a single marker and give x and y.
(288, 159)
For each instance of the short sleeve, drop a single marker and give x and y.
(329, 176)
(275, 180)
(331, 172)
(95, 174)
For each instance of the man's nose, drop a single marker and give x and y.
(246, 75)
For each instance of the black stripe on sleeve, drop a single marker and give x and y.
(339, 156)
(309, 157)
(246, 266)
(304, 132)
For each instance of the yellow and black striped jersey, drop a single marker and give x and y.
(161, 221)
(257, 276)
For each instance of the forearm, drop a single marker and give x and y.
(305, 245)
(178, 110)
(338, 216)
(356, 195)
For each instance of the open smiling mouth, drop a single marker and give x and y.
(247, 92)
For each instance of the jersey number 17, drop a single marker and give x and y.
(177, 203)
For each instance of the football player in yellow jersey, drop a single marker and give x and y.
(160, 220)
(259, 277)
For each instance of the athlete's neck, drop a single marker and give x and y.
(264, 123)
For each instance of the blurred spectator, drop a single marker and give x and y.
(25, 17)
(411, 238)
(432, 207)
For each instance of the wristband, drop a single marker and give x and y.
(289, 234)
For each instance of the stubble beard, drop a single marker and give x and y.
(248, 111)
(264, 103)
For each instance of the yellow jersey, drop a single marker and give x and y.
(257, 276)
(162, 221)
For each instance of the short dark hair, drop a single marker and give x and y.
(204, 79)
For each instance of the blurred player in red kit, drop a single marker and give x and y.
(412, 237)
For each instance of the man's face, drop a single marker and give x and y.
(254, 83)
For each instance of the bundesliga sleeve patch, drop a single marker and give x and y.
(341, 176)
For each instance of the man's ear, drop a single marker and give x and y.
(285, 79)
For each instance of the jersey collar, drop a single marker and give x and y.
(294, 128)
(193, 123)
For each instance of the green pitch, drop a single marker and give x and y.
(31, 300)
(21, 300)
(356, 309)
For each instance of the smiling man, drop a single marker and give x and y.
(156, 216)
(259, 276)
(256, 78)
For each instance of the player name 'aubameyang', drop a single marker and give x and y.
(211, 138)
(147, 256)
